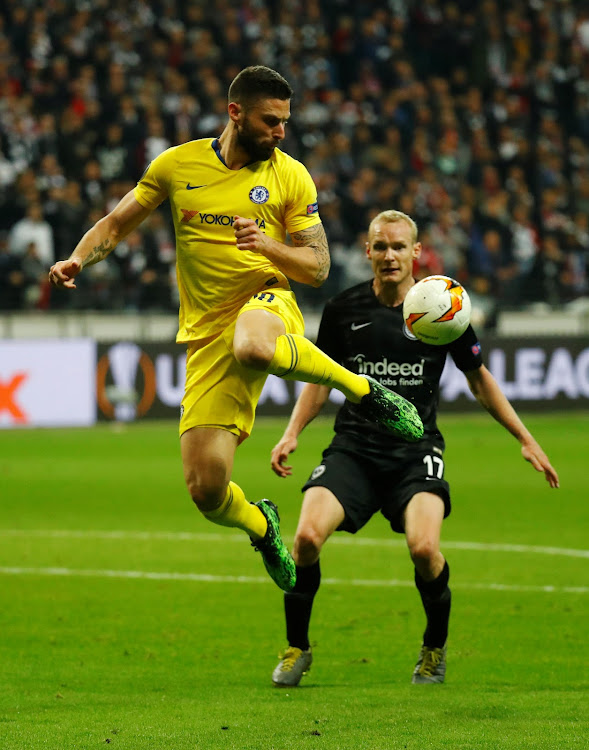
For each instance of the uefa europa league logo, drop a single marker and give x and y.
(126, 397)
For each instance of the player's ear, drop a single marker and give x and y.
(235, 111)
(417, 250)
(367, 249)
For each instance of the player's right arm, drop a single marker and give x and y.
(307, 407)
(308, 265)
(100, 240)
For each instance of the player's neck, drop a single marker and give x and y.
(232, 154)
(391, 295)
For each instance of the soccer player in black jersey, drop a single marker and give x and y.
(365, 470)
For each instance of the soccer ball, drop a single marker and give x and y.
(437, 310)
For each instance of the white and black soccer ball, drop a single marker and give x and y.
(437, 310)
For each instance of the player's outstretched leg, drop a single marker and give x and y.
(394, 412)
(430, 667)
(296, 358)
(277, 559)
(293, 664)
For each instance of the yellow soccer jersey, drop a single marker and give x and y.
(215, 279)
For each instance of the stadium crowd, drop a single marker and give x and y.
(472, 116)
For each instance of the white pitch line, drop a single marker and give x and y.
(189, 536)
(205, 578)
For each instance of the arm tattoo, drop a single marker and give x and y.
(99, 252)
(315, 238)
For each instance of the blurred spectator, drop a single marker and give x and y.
(447, 240)
(551, 276)
(155, 142)
(575, 245)
(7, 173)
(525, 239)
(92, 183)
(36, 285)
(494, 262)
(69, 217)
(114, 155)
(430, 262)
(50, 174)
(12, 279)
(483, 301)
(33, 229)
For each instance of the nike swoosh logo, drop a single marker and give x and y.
(193, 187)
(357, 326)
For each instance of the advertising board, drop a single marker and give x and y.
(47, 383)
(146, 380)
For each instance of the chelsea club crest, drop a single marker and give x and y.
(259, 194)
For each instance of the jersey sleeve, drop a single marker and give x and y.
(302, 209)
(466, 351)
(153, 187)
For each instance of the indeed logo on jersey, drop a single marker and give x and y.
(224, 220)
(401, 373)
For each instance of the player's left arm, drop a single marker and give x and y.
(309, 264)
(487, 392)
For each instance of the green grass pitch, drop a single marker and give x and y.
(127, 620)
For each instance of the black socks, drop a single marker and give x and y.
(436, 598)
(298, 605)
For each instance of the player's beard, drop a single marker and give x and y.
(248, 140)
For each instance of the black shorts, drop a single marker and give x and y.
(364, 486)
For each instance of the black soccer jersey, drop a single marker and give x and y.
(369, 338)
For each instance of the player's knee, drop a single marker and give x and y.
(207, 493)
(423, 551)
(207, 499)
(307, 546)
(253, 353)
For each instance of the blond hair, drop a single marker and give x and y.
(390, 217)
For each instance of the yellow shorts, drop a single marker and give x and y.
(220, 392)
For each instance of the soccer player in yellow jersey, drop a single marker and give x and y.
(233, 200)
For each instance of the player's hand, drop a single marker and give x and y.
(248, 235)
(280, 452)
(533, 453)
(64, 272)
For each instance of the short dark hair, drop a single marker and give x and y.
(258, 82)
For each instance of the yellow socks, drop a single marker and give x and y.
(235, 511)
(296, 358)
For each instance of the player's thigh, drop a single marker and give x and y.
(352, 481)
(254, 340)
(411, 471)
(279, 302)
(207, 459)
(423, 519)
(219, 392)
